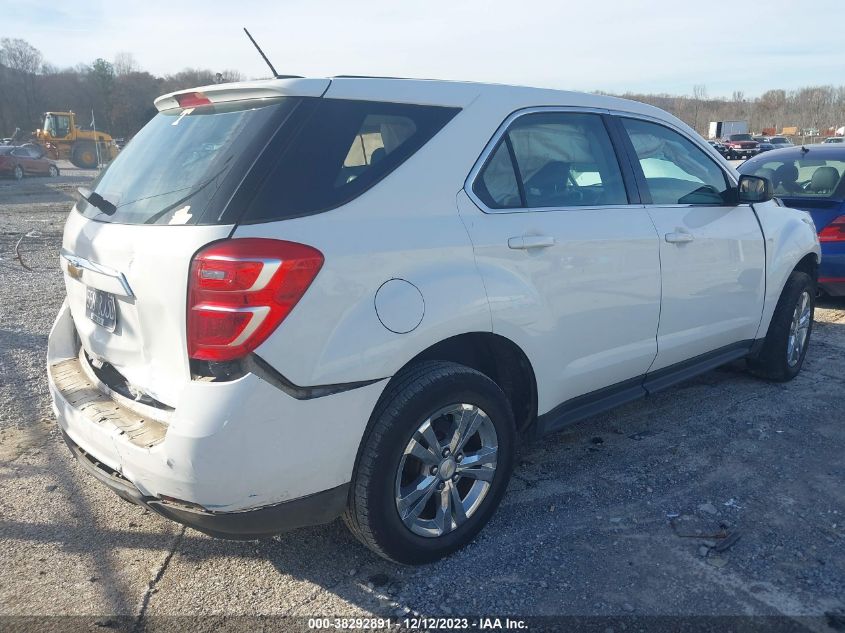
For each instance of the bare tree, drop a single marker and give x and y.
(24, 60)
(699, 95)
(20, 55)
(124, 63)
(229, 75)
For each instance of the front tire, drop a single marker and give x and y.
(18, 173)
(434, 463)
(788, 338)
(84, 156)
(54, 171)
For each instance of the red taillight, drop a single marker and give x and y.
(240, 290)
(834, 232)
(192, 100)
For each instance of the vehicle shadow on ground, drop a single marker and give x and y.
(832, 303)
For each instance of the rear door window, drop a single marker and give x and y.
(552, 159)
(340, 150)
(675, 169)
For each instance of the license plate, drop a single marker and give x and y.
(101, 308)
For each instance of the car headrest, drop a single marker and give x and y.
(377, 155)
(554, 172)
(824, 179)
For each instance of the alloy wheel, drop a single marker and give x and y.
(799, 329)
(446, 470)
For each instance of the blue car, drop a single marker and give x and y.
(811, 178)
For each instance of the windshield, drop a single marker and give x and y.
(48, 124)
(176, 164)
(799, 178)
(741, 137)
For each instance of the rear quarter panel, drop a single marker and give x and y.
(406, 227)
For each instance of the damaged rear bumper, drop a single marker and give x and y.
(316, 509)
(235, 459)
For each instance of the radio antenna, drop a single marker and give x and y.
(258, 48)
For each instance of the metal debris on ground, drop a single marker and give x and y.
(18, 253)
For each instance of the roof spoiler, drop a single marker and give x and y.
(242, 91)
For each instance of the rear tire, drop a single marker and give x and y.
(788, 338)
(54, 171)
(412, 461)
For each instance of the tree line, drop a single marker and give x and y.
(117, 91)
(121, 96)
(814, 111)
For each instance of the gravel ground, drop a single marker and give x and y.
(586, 528)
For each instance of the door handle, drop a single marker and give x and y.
(525, 242)
(679, 238)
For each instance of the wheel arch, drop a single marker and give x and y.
(498, 358)
(809, 264)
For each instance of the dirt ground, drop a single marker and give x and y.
(625, 513)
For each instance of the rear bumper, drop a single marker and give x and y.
(316, 509)
(833, 286)
(832, 269)
(237, 459)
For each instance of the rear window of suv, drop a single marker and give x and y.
(184, 164)
(337, 150)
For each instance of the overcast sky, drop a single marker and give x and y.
(612, 45)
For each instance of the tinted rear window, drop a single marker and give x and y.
(337, 151)
(183, 165)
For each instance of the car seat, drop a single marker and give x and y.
(824, 180)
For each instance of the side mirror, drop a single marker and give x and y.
(755, 189)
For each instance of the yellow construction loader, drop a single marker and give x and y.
(62, 138)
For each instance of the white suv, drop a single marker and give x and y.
(295, 299)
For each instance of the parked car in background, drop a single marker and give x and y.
(780, 142)
(834, 139)
(719, 147)
(228, 356)
(741, 146)
(763, 144)
(811, 178)
(25, 160)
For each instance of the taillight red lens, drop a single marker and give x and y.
(240, 290)
(192, 99)
(834, 232)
